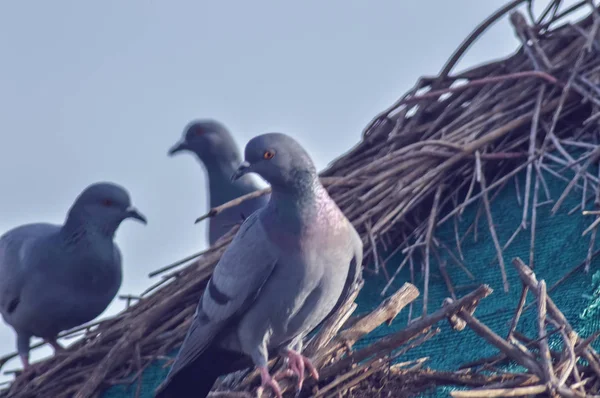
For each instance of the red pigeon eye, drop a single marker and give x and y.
(199, 132)
(107, 202)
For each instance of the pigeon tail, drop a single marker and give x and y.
(197, 379)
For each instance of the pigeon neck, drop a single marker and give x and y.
(221, 167)
(80, 226)
(221, 188)
(297, 200)
(301, 185)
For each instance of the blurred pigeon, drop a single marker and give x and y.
(56, 277)
(216, 149)
(291, 265)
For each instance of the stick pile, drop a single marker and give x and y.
(451, 141)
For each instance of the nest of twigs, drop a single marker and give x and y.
(452, 140)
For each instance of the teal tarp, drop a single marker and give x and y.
(559, 247)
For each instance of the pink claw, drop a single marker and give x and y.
(297, 363)
(268, 381)
(282, 374)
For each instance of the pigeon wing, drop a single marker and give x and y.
(245, 266)
(354, 273)
(17, 260)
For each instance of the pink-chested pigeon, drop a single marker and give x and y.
(217, 151)
(292, 264)
(56, 277)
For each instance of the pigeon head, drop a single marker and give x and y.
(210, 141)
(105, 205)
(280, 160)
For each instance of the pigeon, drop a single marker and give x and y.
(56, 277)
(215, 148)
(291, 265)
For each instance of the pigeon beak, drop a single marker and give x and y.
(243, 168)
(180, 146)
(132, 212)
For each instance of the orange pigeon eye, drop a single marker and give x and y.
(107, 202)
(268, 155)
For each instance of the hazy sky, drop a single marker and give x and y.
(95, 91)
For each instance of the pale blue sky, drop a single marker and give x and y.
(100, 90)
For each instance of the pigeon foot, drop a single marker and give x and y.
(297, 363)
(268, 381)
(24, 361)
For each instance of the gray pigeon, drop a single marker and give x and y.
(216, 149)
(291, 265)
(56, 277)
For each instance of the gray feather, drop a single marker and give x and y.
(212, 315)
